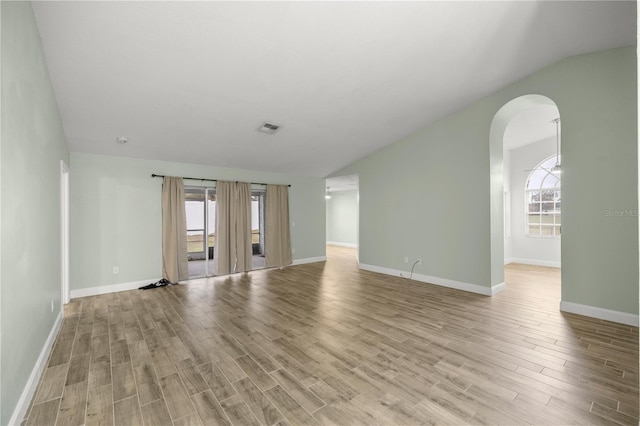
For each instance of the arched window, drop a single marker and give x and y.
(543, 200)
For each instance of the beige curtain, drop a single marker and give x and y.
(223, 257)
(277, 233)
(174, 231)
(241, 212)
(233, 227)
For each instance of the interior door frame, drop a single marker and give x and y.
(64, 233)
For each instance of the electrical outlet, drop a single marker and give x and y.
(51, 305)
(293, 251)
(116, 269)
(406, 259)
(419, 261)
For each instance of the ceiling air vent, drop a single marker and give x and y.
(269, 128)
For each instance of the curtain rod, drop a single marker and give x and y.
(209, 180)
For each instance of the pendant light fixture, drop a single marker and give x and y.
(326, 194)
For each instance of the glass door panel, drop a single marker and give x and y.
(211, 230)
(257, 229)
(196, 244)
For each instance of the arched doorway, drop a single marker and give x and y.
(505, 115)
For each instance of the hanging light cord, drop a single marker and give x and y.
(557, 121)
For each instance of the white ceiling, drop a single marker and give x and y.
(192, 81)
(531, 125)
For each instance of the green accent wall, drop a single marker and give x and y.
(33, 143)
(116, 217)
(428, 196)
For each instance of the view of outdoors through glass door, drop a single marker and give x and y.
(201, 227)
(200, 232)
(257, 228)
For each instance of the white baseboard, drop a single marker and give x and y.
(495, 289)
(600, 313)
(309, 260)
(113, 288)
(534, 262)
(444, 282)
(339, 244)
(32, 384)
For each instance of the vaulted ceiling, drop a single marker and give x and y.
(193, 81)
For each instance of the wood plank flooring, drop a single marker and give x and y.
(325, 343)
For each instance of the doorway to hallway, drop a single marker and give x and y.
(343, 212)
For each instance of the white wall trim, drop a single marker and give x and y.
(495, 289)
(534, 262)
(30, 388)
(113, 288)
(337, 243)
(309, 260)
(444, 282)
(600, 313)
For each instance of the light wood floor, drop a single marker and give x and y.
(325, 343)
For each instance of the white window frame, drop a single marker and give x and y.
(556, 211)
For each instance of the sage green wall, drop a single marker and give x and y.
(33, 143)
(598, 108)
(342, 217)
(116, 216)
(428, 196)
(421, 198)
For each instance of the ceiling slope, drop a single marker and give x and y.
(193, 81)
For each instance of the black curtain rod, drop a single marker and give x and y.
(210, 180)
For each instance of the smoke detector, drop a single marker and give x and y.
(269, 128)
(122, 139)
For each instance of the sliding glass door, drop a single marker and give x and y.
(211, 229)
(200, 206)
(257, 228)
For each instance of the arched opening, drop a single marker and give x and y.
(524, 125)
